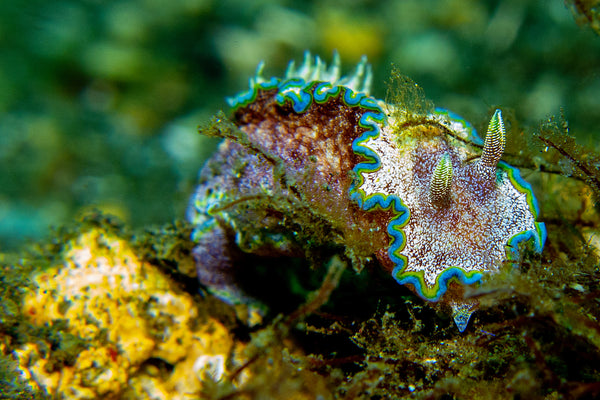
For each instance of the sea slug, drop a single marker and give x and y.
(313, 161)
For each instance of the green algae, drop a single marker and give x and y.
(169, 248)
(536, 335)
(11, 385)
(407, 96)
(521, 344)
(575, 160)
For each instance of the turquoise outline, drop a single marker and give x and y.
(325, 91)
(471, 131)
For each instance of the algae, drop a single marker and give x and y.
(361, 336)
(12, 386)
(79, 335)
(407, 96)
(574, 160)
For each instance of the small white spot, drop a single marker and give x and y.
(212, 366)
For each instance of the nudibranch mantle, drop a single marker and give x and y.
(434, 244)
(423, 193)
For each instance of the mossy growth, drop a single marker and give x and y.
(574, 160)
(551, 149)
(536, 335)
(12, 387)
(407, 98)
(169, 247)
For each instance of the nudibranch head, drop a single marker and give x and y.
(458, 212)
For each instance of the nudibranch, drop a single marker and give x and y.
(313, 161)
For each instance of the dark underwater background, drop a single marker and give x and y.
(100, 100)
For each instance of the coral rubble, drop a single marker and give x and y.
(138, 335)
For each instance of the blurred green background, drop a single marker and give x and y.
(99, 100)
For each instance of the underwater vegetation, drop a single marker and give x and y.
(531, 306)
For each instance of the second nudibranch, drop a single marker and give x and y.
(317, 162)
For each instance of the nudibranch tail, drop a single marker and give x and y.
(439, 189)
(462, 311)
(495, 141)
